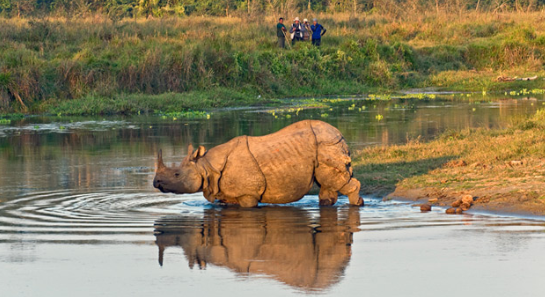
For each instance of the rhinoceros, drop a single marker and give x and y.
(276, 168)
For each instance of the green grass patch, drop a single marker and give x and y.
(96, 65)
(168, 103)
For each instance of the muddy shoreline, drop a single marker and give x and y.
(503, 170)
(499, 202)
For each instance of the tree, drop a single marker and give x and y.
(147, 8)
(24, 7)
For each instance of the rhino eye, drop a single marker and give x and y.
(176, 174)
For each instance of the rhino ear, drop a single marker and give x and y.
(199, 152)
(194, 155)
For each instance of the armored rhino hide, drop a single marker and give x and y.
(277, 168)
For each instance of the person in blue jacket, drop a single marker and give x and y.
(317, 32)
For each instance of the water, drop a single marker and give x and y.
(78, 214)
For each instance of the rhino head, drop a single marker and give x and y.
(180, 179)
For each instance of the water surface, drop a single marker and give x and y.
(78, 214)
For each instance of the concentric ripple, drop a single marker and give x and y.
(65, 216)
(128, 216)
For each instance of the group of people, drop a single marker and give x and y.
(299, 32)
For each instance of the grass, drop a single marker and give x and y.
(6, 118)
(138, 103)
(499, 164)
(94, 64)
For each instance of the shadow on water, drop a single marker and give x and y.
(381, 178)
(305, 249)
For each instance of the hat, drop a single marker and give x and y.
(305, 21)
(314, 19)
(296, 19)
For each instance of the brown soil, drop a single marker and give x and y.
(503, 170)
(520, 198)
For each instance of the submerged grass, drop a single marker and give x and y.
(102, 66)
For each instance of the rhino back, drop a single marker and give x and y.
(325, 133)
(287, 159)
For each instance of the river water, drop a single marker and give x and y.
(79, 216)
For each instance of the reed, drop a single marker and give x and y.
(51, 60)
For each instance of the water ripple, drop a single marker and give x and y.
(128, 215)
(98, 216)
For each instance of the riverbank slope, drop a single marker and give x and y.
(504, 170)
(94, 65)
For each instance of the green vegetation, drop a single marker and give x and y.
(5, 119)
(499, 165)
(99, 64)
(142, 103)
(116, 9)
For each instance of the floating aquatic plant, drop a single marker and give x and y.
(184, 114)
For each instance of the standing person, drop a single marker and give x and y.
(296, 31)
(317, 32)
(307, 32)
(281, 33)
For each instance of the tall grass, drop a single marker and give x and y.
(55, 59)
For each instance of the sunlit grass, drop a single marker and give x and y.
(486, 156)
(57, 60)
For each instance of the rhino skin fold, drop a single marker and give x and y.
(276, 168)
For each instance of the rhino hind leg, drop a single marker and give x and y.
(332, 173)
(352, 190)
(327, 197)
(247, 201)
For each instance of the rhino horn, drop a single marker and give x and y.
(160, 163)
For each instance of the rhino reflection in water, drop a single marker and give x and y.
(294, 246)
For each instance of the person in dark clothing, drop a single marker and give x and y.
(281, 33)
(317, 32)
(296, 31)
(307, 31)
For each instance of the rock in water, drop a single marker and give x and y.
(467, 199)
(451, 210)
(465, 206)
(456, 203)
(425, 207)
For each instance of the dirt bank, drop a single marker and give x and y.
(495, 199)
(504, 170)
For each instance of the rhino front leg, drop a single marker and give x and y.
(248, 201)
(352, 190)
(327, 197)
